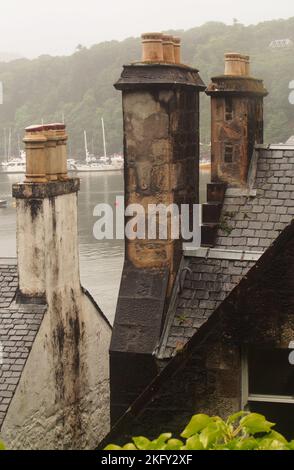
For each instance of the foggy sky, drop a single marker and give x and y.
(31, 27)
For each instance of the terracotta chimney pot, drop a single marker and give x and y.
(152, 49)
(51, 151)
(247, 65)
(177, 49)
(168, 49)
(235, 64)
(35, 145)
(62, 137)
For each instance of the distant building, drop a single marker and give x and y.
(281, 44)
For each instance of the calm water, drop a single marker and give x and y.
(101, 261)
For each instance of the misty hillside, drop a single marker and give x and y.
(81, 86)
(8, 57)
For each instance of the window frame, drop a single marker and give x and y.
(231, 146)
(229, 109)
(247, 398)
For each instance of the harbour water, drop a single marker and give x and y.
(100, 261)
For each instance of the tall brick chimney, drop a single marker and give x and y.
(160, 100)
(236, 120)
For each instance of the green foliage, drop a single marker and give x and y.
(241, 431)
(80, 86)
(2, 446)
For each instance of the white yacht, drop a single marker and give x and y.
(102, 164)
(15, 165)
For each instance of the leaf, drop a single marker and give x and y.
(211, 434)
(247, 444)
(194, 443)
(130, 447)
(255, 423)
(197, 423)
(159, 443)
(291, 445)
(113, 447)
(235, 417)
(271, 444)
(141, 443)
(276, 435)
(174, 444)
(2, 446)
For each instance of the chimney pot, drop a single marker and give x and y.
(152, 48)
(177, 49)
(235, 64)
(168, 49)
(247, 65)
(52, 155)
(61, 138)
(35, 144)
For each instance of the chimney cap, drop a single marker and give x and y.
(45, 127)
(54, 127)
(167, 38)
(233, 55)
(35, 128)
(177, 40)
(153, 35)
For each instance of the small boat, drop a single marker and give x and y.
(15, 164)
(3, 203)
(102, 164)
(96, 166)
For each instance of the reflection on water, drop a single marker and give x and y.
(101, 261)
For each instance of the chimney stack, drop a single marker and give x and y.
(46, 200)
(66, 376)
(161, 151)
(236, 120)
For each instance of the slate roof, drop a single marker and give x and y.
(250, 222)
(19, 325)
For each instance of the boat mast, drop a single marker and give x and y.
(9, 145)
(104, 140)
(18, 145)
(5, 144)
(86, 147)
